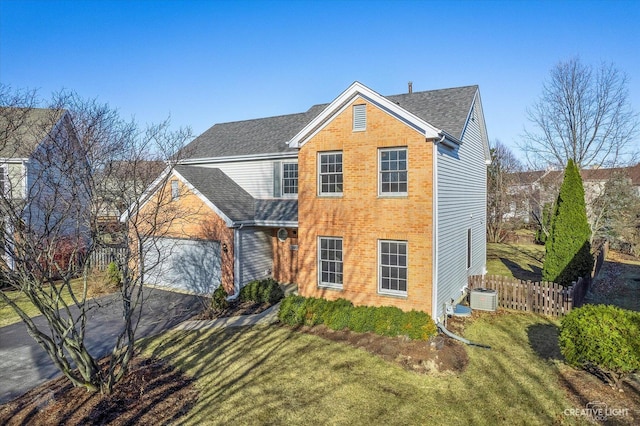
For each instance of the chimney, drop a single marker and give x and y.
(411, 87)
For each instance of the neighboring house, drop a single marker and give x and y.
(37, 161)
(533, 189)
(120, 183)
(378, 200)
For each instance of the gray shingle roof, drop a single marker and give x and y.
(22, 129)
(277, 210)
(446, 109)
(236, 203)
(250, 137)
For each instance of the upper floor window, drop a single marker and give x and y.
(393, 267)
(330, 173)
(359, 117)
(393, 171)
(175, 190)
(289, 178)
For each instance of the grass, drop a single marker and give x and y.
(521, 261)
(8, 316)
(618, 283)
(278, 376)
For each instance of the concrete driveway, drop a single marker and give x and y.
(24, 364)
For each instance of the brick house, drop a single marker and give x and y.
(379, 200)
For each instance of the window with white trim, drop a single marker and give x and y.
(330, 262)
(393, 171)
(359, 118)
(175, 190)
(392, 268)
(289, 178)
(330, 173)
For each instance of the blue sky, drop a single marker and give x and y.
(205, 62)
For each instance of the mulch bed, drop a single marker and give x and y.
(153, 392)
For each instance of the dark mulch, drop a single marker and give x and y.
(234, 309)
(440, 354)
(152, 393)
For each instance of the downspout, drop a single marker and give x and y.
(434, 245)
(443, 329)
(237, 248)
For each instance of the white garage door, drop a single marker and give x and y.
(187, 265)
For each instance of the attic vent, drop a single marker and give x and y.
(359, 117)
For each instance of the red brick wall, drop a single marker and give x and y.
(361, 217)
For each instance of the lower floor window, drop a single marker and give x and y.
(392, 267)
(330, 262)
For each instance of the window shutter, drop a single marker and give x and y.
(277, 179)
(359, 117)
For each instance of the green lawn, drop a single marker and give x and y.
(8, 315)
(278, 376)
(522, 261)
(618, 283)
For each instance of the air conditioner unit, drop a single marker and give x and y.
(484, 299)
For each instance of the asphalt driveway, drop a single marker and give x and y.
(24, 364)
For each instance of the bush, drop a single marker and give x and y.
(602, 339)
(341, 314)
(262, 291)
(292, 310)
(219, 300)
(113, 275)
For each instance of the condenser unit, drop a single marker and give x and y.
(484, 299)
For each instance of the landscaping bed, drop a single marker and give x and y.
(153, 392)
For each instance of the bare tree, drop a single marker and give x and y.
(583, 114)
(614, 209)
(78, 154)
(502, 191)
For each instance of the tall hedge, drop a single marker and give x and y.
(568, 248)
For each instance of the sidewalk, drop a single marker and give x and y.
(266, 317)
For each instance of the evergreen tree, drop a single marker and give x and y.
(568, 249)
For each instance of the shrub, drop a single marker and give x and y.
(341, 314)
(292, 310)
(263, 291)
(219, 300)
(113, 275)
(602, 339)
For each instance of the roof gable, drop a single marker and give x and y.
(345, 98)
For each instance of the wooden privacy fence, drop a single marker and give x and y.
(540, 297)
(103, 256)
(537, 297)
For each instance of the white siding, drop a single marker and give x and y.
(255, 177)
(461, 192)
(17, 177)
(255, 254)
